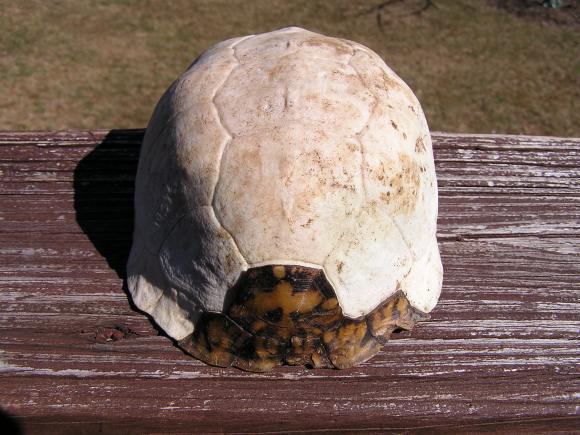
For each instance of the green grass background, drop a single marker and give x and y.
(79, 64)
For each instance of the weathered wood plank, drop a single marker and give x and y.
(499, 354)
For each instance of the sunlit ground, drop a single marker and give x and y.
(103, 64)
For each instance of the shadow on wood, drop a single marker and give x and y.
(104, 189)
(104, 185)
(8, 424)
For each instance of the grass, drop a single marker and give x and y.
(78, 64)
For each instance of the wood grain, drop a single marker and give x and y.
(500, 354)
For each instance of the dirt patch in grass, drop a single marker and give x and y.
(77, 64)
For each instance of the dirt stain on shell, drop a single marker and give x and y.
(339, 46)
(405, 185)
(290, 315)
(420, 145)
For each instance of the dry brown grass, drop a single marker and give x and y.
(103, 64)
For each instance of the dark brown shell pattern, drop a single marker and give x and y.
(290, 315)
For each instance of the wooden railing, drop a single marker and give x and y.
(501, 352)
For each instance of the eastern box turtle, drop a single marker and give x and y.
(286, 205)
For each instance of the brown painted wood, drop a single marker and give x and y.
(500, 354)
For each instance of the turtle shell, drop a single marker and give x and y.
(286, 205)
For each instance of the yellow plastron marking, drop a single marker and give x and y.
(290, 315)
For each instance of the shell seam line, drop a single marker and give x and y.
(365, 126)
(396, 224)
(151, 307)
(375, 105)
(285, 262)
(357, 138)
(177, 222)
(363, 178)
(186, 108)
(159, 263)
(173, 116)
(229, 140)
